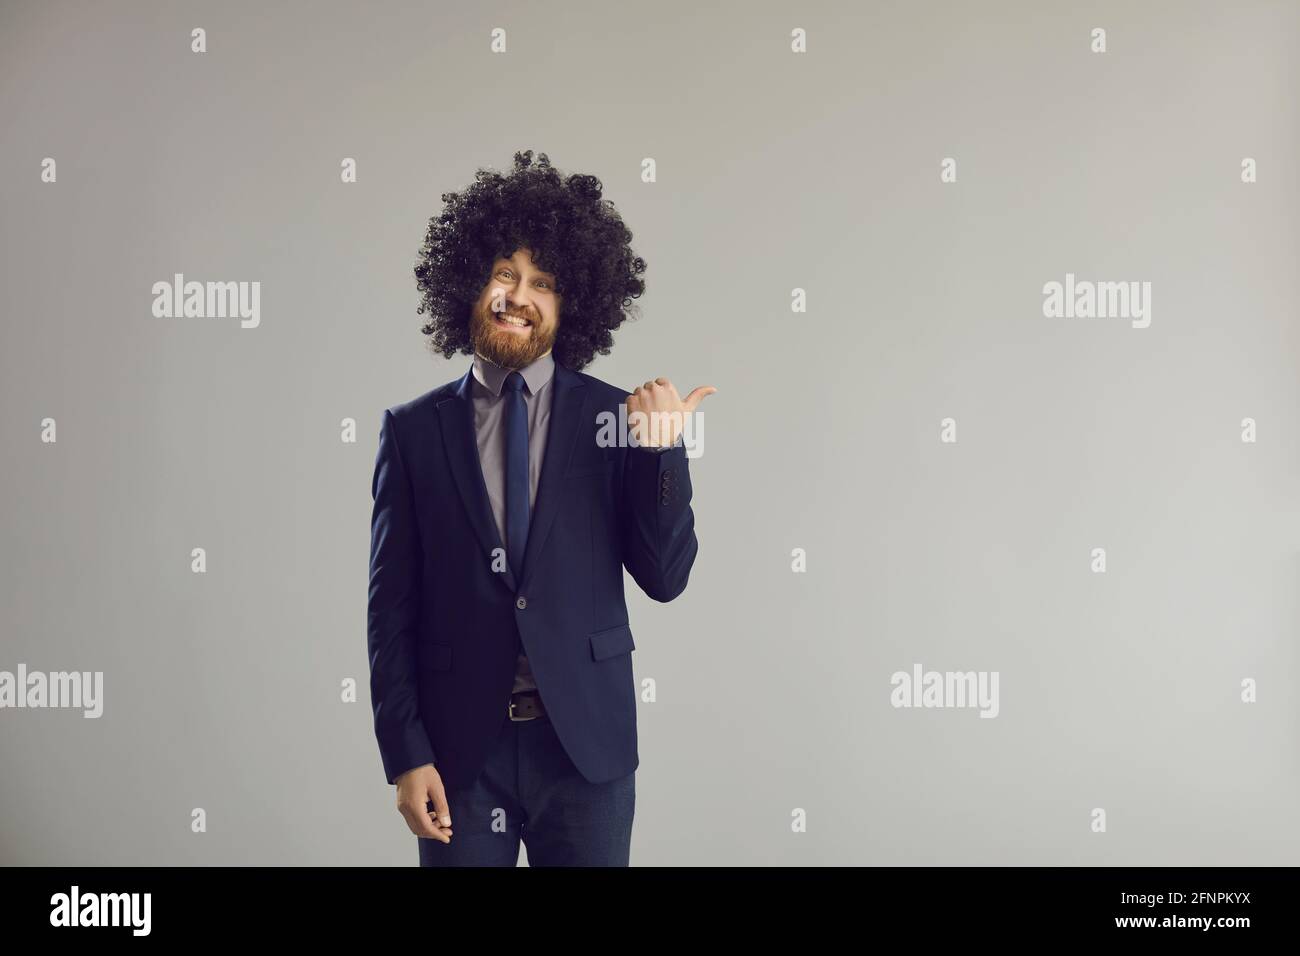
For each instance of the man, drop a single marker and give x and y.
(500, 651)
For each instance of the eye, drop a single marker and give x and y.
(545, 283)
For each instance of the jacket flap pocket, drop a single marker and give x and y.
(611, 642)
(440, 657)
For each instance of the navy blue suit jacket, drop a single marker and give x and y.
(444, 628)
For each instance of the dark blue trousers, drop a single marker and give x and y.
(530, 790)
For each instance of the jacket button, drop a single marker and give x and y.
(521, 604)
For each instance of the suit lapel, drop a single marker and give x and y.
(568, 412)
(457, 415)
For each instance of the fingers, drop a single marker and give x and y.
(439, 818)
(652, 394)
(657, 392)
(441, 809)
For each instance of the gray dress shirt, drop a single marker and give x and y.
(490, 431)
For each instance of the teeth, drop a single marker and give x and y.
(511, 320)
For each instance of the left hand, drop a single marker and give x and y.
(656, 412)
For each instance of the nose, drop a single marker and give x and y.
(518, 303)
(513, 299)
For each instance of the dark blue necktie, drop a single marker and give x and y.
(516, 472)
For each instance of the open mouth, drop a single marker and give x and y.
(513, 322)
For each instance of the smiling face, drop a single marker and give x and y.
(517, 314)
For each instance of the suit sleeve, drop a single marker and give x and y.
(395, 573)
(659, 544)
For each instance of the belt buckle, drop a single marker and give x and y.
(510, 711)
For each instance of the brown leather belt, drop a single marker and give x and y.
(526, 705)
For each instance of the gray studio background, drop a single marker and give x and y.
(775, 171)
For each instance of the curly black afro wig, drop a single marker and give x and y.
(571, 232)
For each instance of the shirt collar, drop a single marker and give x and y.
(493, 376)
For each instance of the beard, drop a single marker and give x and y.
(505, 348)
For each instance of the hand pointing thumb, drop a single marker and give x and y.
(697, 396)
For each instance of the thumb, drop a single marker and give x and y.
(697, 396)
